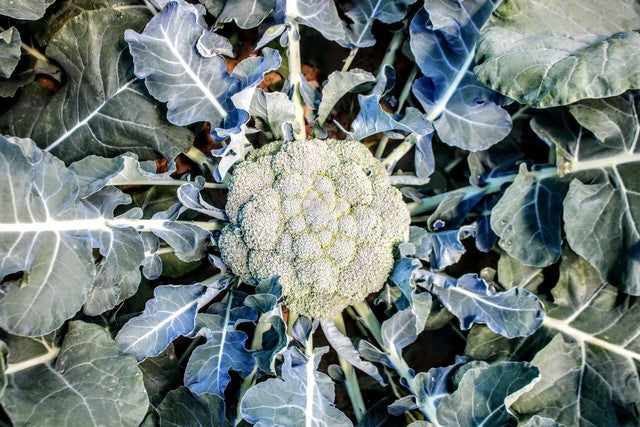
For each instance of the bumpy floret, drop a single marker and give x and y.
(320, 215)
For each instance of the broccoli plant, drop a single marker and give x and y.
(247, 212)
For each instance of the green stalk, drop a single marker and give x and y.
(398, 152)
(395, 44)
(295, 67)
(404, 95)
(351, 380)
(349, 59)
(256, 344)
(399, 364)
(493, 186)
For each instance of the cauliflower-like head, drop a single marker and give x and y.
(320, 215)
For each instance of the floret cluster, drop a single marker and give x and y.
(320, 215)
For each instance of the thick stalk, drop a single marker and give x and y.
(295, 68)
(102, 224)
(399, 364)
(395, 44)
(351, 380)
(48, 357)
(493, 186)
(399, 152)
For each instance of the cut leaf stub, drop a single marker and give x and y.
(320, 215)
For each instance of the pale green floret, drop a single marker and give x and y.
(320, 215)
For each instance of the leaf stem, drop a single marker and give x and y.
(399, 364)
(295, 74)
(256, 344)
(351, 379)
(493, 186)
(45, 358)
(395, 44)
(398, 152)
(349, 59)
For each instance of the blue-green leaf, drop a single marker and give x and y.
(513, 313)
(302, 397)
(170, 314)
(485, 394)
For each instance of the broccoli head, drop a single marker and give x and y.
(320, 215)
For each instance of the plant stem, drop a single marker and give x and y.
(399, 364)
(291, 320)
(295, 69)
(349, 59)
(49, 356)
(395, 44)
(192, 345)
(493, 186)
(351, 380)
(256, 344)
(398, 152)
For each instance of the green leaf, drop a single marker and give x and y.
(338, 84)
(552, 52)
(587, 352)
(24, 9)
(182, 408)
(485, 394)
(602, 206)
(303, 396)
(161, 374)
(85, 382)
(59, 262)
(102, 109)
(9, 51)
(527, 217)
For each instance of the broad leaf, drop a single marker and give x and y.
(485, 394)
(365, 12)
(181, 408)
(34, 239)
(465, 113)
(587, 352)
(197, 88)
(513, 313)
(102, 109)
(527, 217)
(320, 15)
(338, 84)
(160, 374)
(9, 51)
(550, 52)
(604, 164)
(24, 9)
(271, 111)
(245, 13)
(209, 364)
(170, 314)
(88, 382)
(302, 397)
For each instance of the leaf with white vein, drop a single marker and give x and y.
(485, 395)
(547, 53)
(101, 109)
(87, 382)
(170, 314)
(345, 348)
(587, 352)
(513, 313)
(209, 364)
(302, 397)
